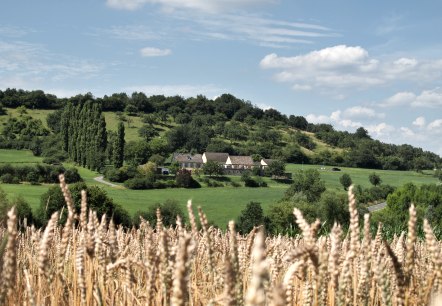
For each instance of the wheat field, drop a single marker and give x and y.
(88, 261)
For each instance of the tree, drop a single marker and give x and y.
(2, 110)
(118, 150)
(307, 182)
(183, 178)
(136, 152)
(345, 181)
(251, 216)
(4, 207)
(147, 132)
(212, 168)
(374, 179)
(438, 174)
(97, 200)
(276, 168)
(362, 133)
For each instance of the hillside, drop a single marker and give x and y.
(164, 125)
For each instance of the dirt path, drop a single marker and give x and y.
(377, 207)
(100, 179)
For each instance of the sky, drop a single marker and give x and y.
(376, 64)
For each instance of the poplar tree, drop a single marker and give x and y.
(118, 150)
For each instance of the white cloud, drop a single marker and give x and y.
(210, 6)
(13, 31)
(183, 90)
(419, 122)
(131, 32)
(152, 52)
(350, 67)
(400, 98)
(435, 126)
(300, 87)
(238, 26)
(427, 98)
(362, 112)
(32, 66)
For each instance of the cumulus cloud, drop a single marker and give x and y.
(212, 6)
(349, 67)
(427, 98)
(362, 112)
(154, 52)
(419, 122)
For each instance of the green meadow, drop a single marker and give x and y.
(221, 204)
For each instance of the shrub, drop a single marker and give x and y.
(184, 179)
(170, 209)
(138, 183)
(53, 200)
(8, 179)
(24, 211)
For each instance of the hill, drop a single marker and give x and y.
(198, 124)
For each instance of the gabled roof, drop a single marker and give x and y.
(266, 161)
(187, 158)
(241, 160)
(218, 157)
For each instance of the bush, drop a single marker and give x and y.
(184, 179)
(235, 184)
(97, 199)
(170, 209)
(72, 176)
(138, 183)
(8, 179)
(23, 210)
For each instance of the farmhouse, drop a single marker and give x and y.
(188, 161)
(239, 162)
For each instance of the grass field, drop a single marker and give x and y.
(18, 156)
(220, 204)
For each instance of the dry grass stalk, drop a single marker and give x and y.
(10, 258)
(161, 266)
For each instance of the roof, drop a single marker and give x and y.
(187, 158)
(241, 160)
(267, 161)
(218, 157)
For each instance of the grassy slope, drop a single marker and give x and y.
(18, 156)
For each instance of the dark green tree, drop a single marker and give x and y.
(308, 183)
(374, 179)
(212, 168)
(147, 132)
(276, 168)
(251, 216)
(118, 150)
(345, 181)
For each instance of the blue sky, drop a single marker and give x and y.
(376, 64)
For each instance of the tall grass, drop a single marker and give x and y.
(88, 261)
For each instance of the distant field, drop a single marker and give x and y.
(18, 156)
(360, 176)
(36, 114)
(220, 204)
